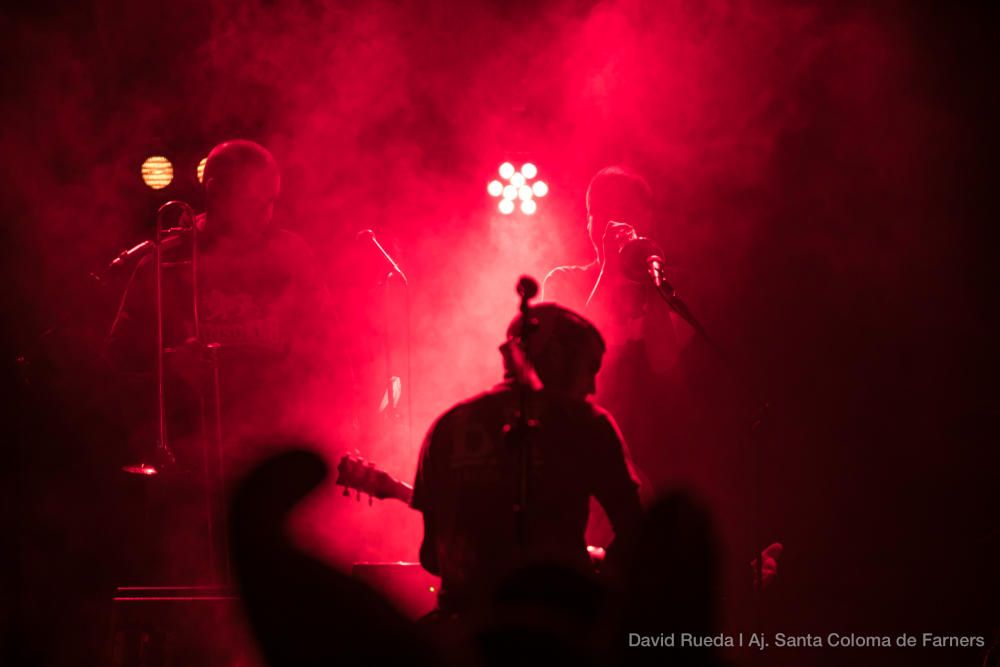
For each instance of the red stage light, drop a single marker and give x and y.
(517, 185)
(140, 469)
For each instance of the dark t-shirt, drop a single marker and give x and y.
(466, 486)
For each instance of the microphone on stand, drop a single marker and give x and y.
(142, 249)
(369, 236)
(642, 258)
(174, 235)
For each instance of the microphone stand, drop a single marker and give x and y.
(519, 432)
(163, 453)
(394, 270)
(758, 422)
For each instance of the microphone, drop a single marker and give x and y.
(142, 249)
(642, 257)
(527, 288)
(185, 224)
(369, 236)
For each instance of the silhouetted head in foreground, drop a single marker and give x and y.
(671, 584)
(303, 611)
(548, 614)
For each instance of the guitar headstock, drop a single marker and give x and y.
(355, 473)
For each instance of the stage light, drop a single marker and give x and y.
(201, 169)
(518, 188)
(140, 469)
(157, 172)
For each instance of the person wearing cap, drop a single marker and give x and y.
(466, 484)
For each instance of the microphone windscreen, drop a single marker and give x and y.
(527, 287)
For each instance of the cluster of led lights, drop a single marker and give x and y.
(158, 172)
(517, 186)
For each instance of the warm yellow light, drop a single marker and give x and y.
(157, 172)
(201, 170)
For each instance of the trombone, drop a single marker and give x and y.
(167, 235)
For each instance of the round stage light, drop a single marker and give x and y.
(157, 172)
(516, 187)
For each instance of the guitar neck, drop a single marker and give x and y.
(404, 493)
(354, 474)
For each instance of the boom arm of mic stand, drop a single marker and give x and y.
(676, 304)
